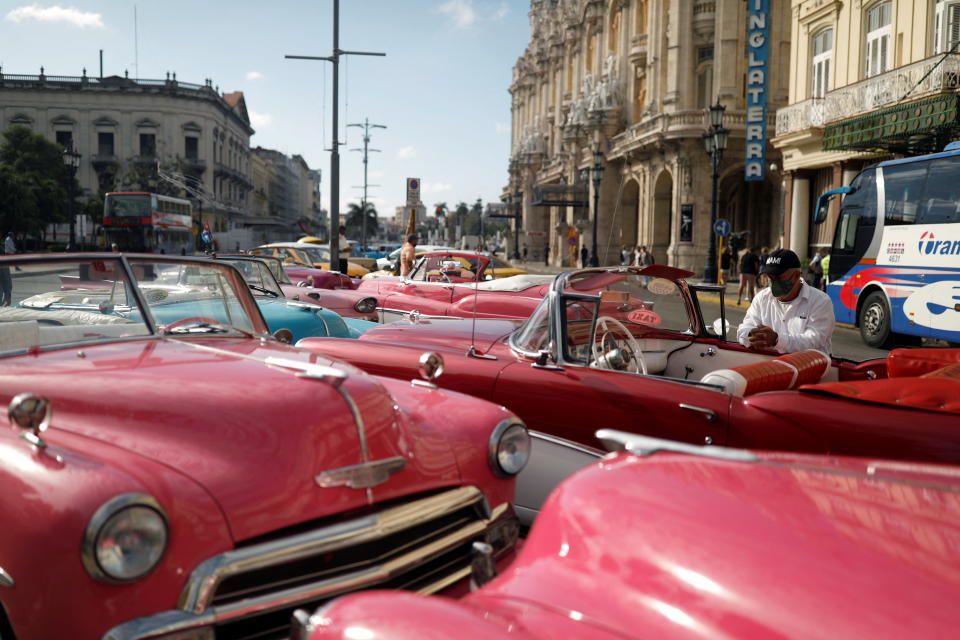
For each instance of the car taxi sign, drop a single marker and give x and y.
(413, 191)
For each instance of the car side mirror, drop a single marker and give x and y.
(283, 335)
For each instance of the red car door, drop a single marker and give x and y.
(573, 401)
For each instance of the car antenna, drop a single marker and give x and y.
(472, 351)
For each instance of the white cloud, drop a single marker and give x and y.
(407, 152)
(437, 187)
(460, 11)
(502, 127)
(501, 12)
(56, 13)
(254, 75)
(376, 175)
(260, 119)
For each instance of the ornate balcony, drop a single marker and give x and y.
(913, 81)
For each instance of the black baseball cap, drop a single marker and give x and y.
(779, 261)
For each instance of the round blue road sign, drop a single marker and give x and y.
(722, 227)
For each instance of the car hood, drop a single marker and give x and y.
(734, 549)
(253, 434)
(456, 334)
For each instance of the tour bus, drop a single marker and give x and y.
(894, 266)
(148, 222)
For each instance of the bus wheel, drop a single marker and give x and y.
(875, 321)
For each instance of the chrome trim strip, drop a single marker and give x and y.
(569, 444)
(183, 620)
(644, 446)
(5, 579)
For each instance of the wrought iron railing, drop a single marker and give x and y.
(910, 82)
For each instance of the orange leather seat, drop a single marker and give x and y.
(788, 371)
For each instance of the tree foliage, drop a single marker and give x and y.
(355, 218)
(33, 182)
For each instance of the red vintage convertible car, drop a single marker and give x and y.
(680, 546)
(629, 349)
(453, 284)
(171, 470)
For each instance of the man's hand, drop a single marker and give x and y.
(763, 338)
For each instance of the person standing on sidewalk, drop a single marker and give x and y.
(10, 246)
(749, 267)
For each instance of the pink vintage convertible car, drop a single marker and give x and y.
(453, 284)
(629, 349)
(170, 470)
(710, 544)
(347, 303)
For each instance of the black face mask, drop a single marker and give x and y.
(781, 288)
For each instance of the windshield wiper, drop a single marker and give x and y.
(264, 290)
(204, 327)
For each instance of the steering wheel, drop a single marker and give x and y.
(628, 346)
(190, 320)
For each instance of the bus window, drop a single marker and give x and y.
(903, 187)
(858, 214)
(941, 199)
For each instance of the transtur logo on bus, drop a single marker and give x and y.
(932, 246)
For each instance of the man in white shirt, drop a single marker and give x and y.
(789, 315)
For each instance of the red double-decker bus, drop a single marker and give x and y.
(148, 222)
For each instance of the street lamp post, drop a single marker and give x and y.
(596, 173)
(715, 141)
(71, 160)
(517, 220)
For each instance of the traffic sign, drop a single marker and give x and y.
(722, 227)
(413, 191)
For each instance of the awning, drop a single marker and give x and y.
(559, 195)
(915, 127)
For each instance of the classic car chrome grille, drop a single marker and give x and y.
(249, 593)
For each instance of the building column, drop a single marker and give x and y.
(800, 215)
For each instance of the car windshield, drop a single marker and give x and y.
(645, 307)
(316, 254)
(69, 302)
(258, 276)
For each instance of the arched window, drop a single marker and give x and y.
(946, 27)
(878, 47)
(822, 58)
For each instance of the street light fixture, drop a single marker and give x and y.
(71, 160)
(715, 142)
(517, 220)
(596, 172)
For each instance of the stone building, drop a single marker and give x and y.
(163, 135)
(623, 86)
(869, 81)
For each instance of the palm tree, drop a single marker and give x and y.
(355, 218)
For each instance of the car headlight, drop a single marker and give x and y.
(125, 538)
(366, 305)
(509, 447)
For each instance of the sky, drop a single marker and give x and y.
(441, 91)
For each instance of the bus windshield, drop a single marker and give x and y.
(127, 206)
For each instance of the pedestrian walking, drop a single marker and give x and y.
(726, 258)
(584, 257)
(816, 268)
(546, 255)
(524, 253)
(6, 284)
